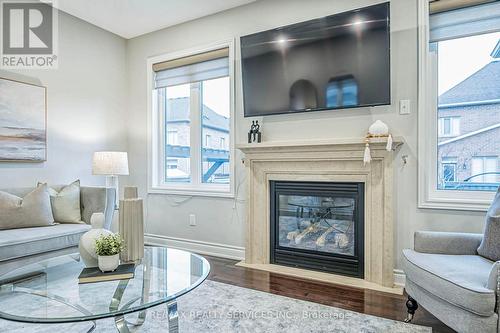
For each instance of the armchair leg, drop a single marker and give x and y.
(412, 306)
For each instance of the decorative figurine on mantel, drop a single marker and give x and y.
(254, 134)
(377, 130)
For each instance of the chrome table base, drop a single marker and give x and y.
(58, 299)
(125, 326)
(122, 325)
(173, 317)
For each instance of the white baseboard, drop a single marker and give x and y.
(399, 277)
(224, 250)
(211, 249)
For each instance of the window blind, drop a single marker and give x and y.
(465, 22)
(437, 6)
(198, 67)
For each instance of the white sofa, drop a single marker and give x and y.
(24, 246)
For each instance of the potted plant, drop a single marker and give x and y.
(108, 248)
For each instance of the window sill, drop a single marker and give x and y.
(461, 204)
(191, 192)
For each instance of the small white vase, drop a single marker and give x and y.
(87, 240)
(108, 263)
(378, 128)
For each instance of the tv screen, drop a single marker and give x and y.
(339, 61)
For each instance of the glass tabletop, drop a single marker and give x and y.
(49, 292)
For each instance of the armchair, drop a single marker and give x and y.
(445, 274)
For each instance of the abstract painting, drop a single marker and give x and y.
(23, 125)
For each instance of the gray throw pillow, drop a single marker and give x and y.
(33, 210)
(490, 245)
(66, 203)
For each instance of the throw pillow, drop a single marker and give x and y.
(31, 211)
(66, 203)
(490, 245)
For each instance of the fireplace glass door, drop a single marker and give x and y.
(319, 225)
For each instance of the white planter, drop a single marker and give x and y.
(87, 241)
(108, 263)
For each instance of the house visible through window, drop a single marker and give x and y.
(193, 105)
(467, 72)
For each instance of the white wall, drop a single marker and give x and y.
(222, 220)
(86, 106)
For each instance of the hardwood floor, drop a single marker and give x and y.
(349, 298)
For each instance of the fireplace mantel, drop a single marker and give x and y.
(336, 160)
(353, 143)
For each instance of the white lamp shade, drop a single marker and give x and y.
(110, 163)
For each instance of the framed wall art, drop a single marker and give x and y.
(23, 121)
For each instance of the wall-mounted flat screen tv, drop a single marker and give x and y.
(335, 62)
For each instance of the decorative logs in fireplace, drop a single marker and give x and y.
(341, 239)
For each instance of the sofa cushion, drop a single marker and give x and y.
(17, 243)
(494, 274)
(489, 246)
(33, 210)
(458, 279)
(66, 203)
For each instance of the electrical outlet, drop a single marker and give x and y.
(192, 220)
(404, 106)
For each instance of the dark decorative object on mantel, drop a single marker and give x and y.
(254, 134)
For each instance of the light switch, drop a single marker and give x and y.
(404, 106)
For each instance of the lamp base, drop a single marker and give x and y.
(112, 182)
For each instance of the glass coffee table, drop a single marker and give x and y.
(48, 291)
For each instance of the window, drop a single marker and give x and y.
(171, 164)
(459, 94)
(484, 170)
(215, 95)
(449, 170)
(448, 126)
(172, 136)
(349, 92)
(173, 101)
(190, 104)
(332, 94)
(222, 143)
(342, 91)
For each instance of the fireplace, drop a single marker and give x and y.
(318, 226)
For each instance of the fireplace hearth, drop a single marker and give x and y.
(318, 226)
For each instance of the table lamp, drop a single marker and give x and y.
(111, 164)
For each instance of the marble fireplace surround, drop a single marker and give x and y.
(329, 161)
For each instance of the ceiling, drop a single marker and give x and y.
(131, 18)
